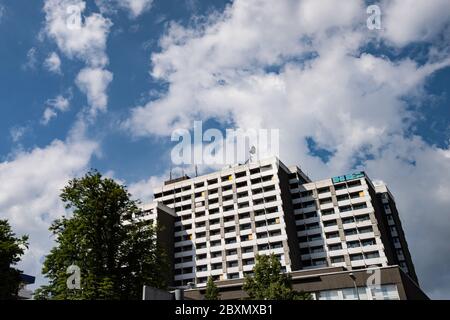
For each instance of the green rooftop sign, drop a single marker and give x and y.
(348, 177)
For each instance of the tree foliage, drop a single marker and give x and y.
(11, 249)
(269, 282)
(115, 258)
(212, 292)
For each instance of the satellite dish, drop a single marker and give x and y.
(252, 152)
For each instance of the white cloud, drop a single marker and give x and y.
(18, 132)
(407, 21)
(29, 198)
(31, 62)
(60, 103)
(86, 42)
(143, 190)
(134, 7)
(94, 82)
(53, 63)
(298, 66)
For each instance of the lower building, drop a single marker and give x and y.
(335, 283)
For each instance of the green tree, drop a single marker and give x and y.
(269, 282)
(116, 257)
(11, 249)
(212, 292)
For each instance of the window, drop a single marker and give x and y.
(368, 242)
(354, 183)
(202, 280)
(312, 226)
(350, 232)
(308, 204)
(309, 215)
(359, 206)
(230, 229)
(216, 266)
(365, 229)
(353, 244)
(242, 194)
(345, 208)
(245, 226)
(331, 235)
(340, 186)
(228, 219)
(342, 197)
(327, 211)
(372, 255)
(317, 249)
(214, 221)
(323, 190)
(233, 275)
(227, 198)
(202, 268)
(230, 240)
(314, 237)
(334, 247)
(325, 201)
(226, 188)
(355, 257)
(362, 218)
(247, 249)
(215, 243)
(275, 233)
(232, 264)
(240, 174)
(243, 205)
(231, 252)
(307, 193)
(348, 220)
(337, 259)
(319, 262)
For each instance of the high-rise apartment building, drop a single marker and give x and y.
(225, 218)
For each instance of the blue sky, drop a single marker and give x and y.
(109, 95)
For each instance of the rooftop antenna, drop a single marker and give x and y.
(170, 172)
(196, 171)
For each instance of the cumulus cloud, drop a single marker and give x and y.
(134, 7)
(302, 66)
(82, 37)
(53, 63)
(407, 21)
(29, 198)
(94, 82)
(85, 39)
(60, 103)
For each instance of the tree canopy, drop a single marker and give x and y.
(212, 292)
(115, 258)
(11, 249)
(269, 282)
